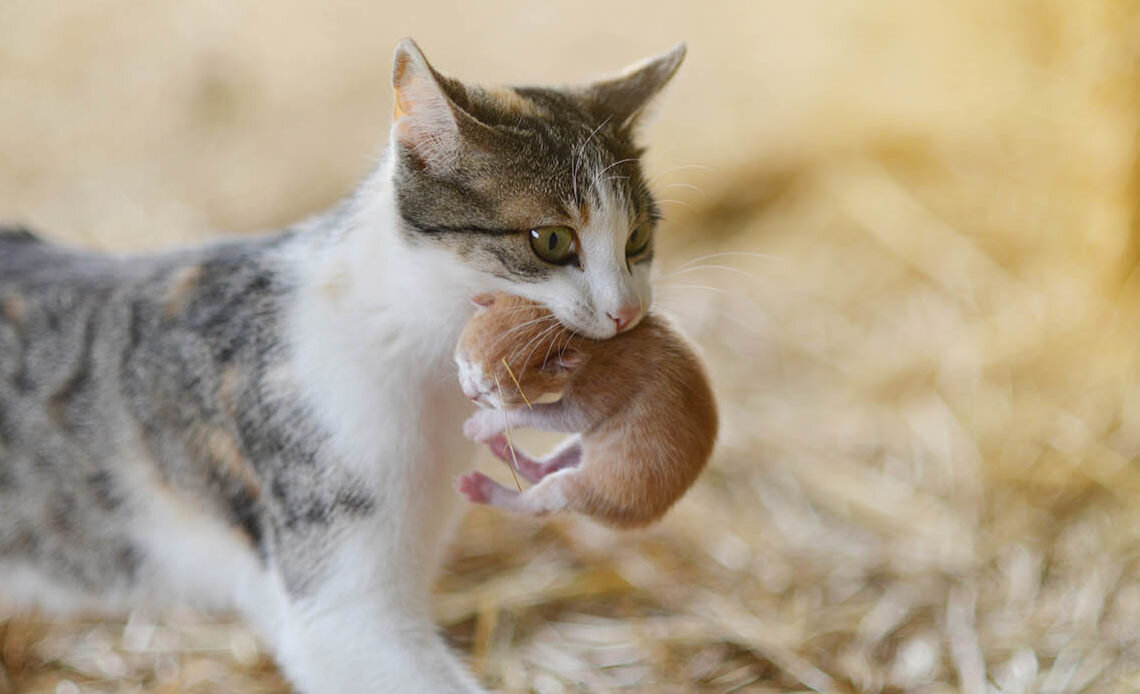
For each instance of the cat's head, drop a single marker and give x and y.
(538, 191)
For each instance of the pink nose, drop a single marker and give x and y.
(625, 316)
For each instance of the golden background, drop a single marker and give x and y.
(923, 325)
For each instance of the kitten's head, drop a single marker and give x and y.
(538, 190)
(513, 352)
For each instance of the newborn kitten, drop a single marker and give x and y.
(641, 402)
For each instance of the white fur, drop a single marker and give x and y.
(584, 299)
(373, 332)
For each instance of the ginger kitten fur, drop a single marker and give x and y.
(640, 403)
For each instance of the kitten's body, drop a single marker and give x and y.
(640, 401)
(272, 425)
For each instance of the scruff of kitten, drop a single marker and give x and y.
(270, 424)
(640, 401)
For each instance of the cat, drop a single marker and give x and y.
(640, 402)
(272, 424)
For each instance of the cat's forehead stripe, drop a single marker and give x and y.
(513, 102)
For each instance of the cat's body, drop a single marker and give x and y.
(272, 425)
(640, 402)
(161, 440)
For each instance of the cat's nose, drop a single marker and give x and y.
(625, 316)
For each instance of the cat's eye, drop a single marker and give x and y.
(639, 240)
(555, 245)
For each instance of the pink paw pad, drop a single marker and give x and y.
(499, 446)
(476, 486)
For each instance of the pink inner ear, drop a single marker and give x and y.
(483, 300)
(565, 362)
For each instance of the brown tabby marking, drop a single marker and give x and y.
(181, 290)
(12, 308)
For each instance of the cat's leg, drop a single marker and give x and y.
(568, 454)
(359, 615)
(563, 416)
(548, 496)
(363, 628)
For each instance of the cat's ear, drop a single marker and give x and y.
(627, 96)
(564, 362)
(424, 119)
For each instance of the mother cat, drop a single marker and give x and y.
(272, 425)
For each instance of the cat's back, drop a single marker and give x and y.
(29, 261)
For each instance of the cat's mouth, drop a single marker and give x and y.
(586, 325)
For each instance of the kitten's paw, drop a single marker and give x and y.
(499, 447)
(483, 426)
(477, 487)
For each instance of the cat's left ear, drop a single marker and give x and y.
(627, 96)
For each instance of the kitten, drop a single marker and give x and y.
(641, 402)
(270, 424)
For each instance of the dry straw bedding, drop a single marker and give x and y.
(925, 344)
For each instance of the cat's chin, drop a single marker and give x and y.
(597, 334)
(591, 329)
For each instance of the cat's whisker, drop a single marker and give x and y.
(533, 321)
(544, 335)
(720, 312)
(554, 343)
(690, 186)
(550, 347)
(536, 338)
(595, 178)
(518, 350)
(674, 202)
(696, 268)
(683, 167)
(659, 178)
(725, 254)
(718, 290)
(562, 350)
(578, 157)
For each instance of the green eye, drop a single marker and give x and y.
(639, 240)
(554, 244)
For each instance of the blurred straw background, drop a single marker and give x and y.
(905, 235)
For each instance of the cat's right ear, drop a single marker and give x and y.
(424, 119)
(628, 96)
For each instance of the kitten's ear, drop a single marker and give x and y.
(626, 97)
(564, 362)
(485, 300)
(424, 119)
